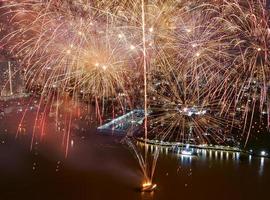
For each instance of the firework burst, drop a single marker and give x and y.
(181, 112)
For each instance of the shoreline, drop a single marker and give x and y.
(171, 145)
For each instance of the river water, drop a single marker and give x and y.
(100, 167)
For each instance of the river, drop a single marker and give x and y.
(101, 167)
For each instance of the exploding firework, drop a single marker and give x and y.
(182, 112)
(248, 23)
(63, 51)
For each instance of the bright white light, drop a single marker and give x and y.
(263, 153)
(132, 47)
(264, 112)
(192, 111)
(120, 36)
(72, 143)
(188, 30)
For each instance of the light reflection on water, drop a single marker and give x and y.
(97, 163)
(249, 159)
(106, 160)
(261, 166)
(208, 155)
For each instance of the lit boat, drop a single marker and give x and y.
(148, 187)
(187, 152)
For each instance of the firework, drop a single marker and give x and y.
(63, 51)
(181, 112)
(197, 67)
(248, 23)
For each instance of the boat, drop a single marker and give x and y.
(148, 187)
(188, 152)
